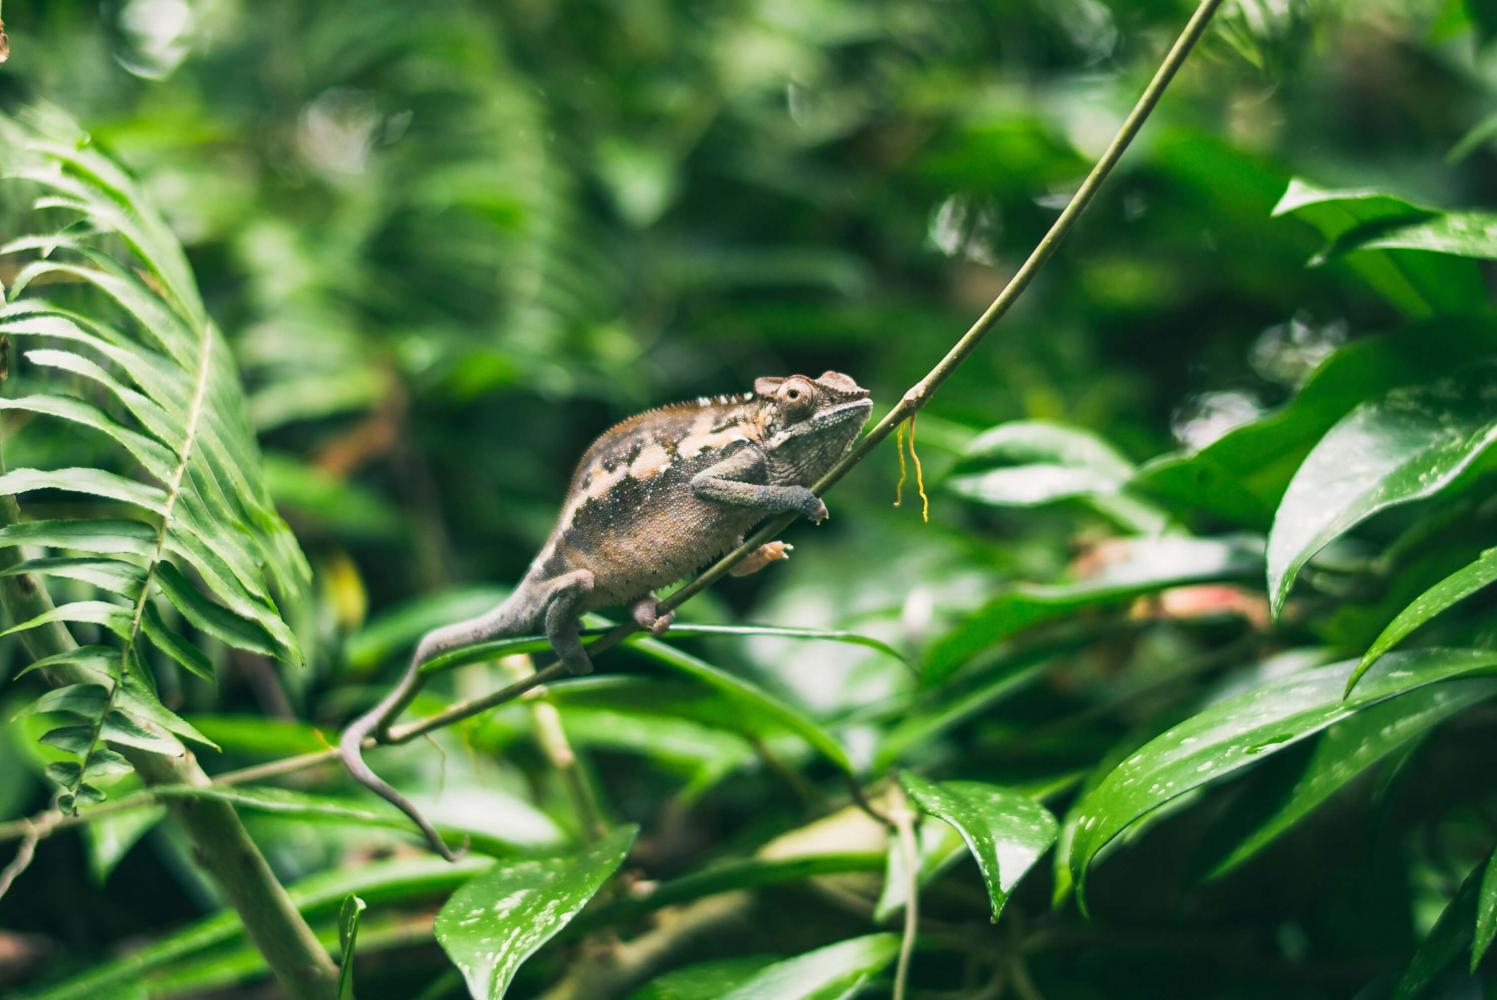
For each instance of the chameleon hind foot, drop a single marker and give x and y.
(647, 615)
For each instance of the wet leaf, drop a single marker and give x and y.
(348, 938)
(1006, 831)
(823, 974)
(1244, 729)
(498, 920)
(1349, 748)
(1454, 588)
(1405, 446)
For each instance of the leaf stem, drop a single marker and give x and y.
(903, 818)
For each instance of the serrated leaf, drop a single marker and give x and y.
(1006, 831)
(499, 919)
(1405, 446)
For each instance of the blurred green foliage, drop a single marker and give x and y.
(448, 244)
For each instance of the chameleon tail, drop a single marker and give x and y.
(503, 620)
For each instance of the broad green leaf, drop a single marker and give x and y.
(1135, 567)
(1454, 588)
(1006, 831)
(348, 937)
(1241, 476)
(499, 919)
(1031, 462)
(823, 974)
(1420, 280)
(1486, 913)
(1348, 748)
(1241, 730)
(1404, 446)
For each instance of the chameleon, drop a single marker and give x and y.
(653, 499)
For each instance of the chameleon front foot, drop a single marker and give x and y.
(762, 556)
(647, 615)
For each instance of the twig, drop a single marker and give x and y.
(24, 854)
(903, 818)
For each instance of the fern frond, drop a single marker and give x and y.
(128, 355)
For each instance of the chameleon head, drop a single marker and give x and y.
(808, 423)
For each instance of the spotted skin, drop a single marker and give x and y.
(652, 499)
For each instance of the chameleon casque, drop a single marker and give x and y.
(653, 499)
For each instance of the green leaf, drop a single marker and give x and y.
(499, 919)
(1486, 913)
(749, 699)
(823, 974)
(1348, 748)
(1422, 280)
(1006, 831)
(1135, 567)
(111, 616)
(1241, 477)
(107, 574)
(1405, 446)
(705, 980)
(1033, 462)
(1454, 588)
(348, 936)
(1451, 933)
(1242, 730)
(538, 643)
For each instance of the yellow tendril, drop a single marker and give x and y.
(919, 475)
(899, 447)
(899, 450)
